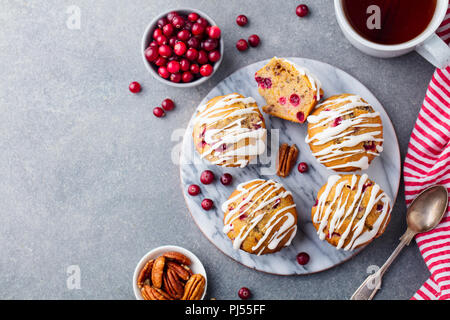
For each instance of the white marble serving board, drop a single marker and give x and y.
(384, 170)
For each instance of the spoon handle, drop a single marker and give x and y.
(372, 284)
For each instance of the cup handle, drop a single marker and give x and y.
(436, 51)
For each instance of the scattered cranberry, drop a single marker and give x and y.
(241, 45)
(187, 77)
(180, 48)
(207, 177)
(173, 66)
(192, 54)
(151, 53)
(241, 20)
(254, 40)
(165, 51)
(167, 104)
(175, 77)
(193, 189)
(214, 32)
(178, 22)
(184, 35)
(194, 68)
(226, 179)
(302, 10)
(158, 112)
(207, 204)
(163, 72)
(193, 17)
(302, 258)
(134, 87)
(168, 30)
(301, 116)
(302, 167)
(206, 70)
(294, 99)
(244, 293)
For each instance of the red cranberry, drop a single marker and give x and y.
(184, 64)
(183, 35)
(162, 39)
(158, 112)
(173, 66)
(207, 177)
(226, 179)
(193, 189)
(194, 68)
(162, 22)
(157, 33)
(302, 10)
(188, 25)
(153, 44)
(206, 70)
(336, 122)
(160, 61)
(301, 116)
(210, 44)
(214, 56)
(254, 40)
(187, 77)
(172, 41)
(151, 53)
(192, 54)
(302, 167)
(193, 17)
(163, 72)
(302, 258)
(135, 87)
(165, 51)
(171, 15)
(178, 22)
(369, 145)
(294, 99)
(282, 100)
(202, 57)
(175, 77)
(207, 204)
(241, 45)
(180, 48)
(214, 32)
(244, 293)
(168, 30)
(197, 29)
(203, 22)
(167, 104)
(193, 42)
(241, 20)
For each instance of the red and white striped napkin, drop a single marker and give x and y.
(427, 163)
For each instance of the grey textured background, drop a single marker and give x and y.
(85, 168)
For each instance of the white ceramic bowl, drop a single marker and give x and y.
(147, 38)
(196, 265)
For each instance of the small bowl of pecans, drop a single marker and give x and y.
(169, 273)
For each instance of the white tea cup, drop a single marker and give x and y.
(427, 44)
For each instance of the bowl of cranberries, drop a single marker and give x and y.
(182, 47)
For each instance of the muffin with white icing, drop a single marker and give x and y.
(350, 211)
(290, 91)
(260, 217)
(345, 133)
(229, 130)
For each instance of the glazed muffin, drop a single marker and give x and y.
(229, 131)
(350, 211)
(260, 217)
(290, 91)
(345, 133)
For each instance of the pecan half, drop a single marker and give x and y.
(287, 157)
(181, 271)
(194, 288)
(173, 284)
(145, 273)
(147, 294)
(158, 271)
(160, 294)
(177, 257)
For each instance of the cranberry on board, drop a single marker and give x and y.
(302, 258)
(244, 293)
(207, 204)
(302, 10)
(158, 112)
(206, 70)
(226, 179)
(194, 190)
(302, 167)
(254, 40)
(134, 87)
(167, 104)
(241, 45)
(242, 20)
(207, 177)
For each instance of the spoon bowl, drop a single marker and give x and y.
(427, 210)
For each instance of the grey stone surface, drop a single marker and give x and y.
(85, 168)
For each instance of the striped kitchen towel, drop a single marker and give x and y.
(427, 163)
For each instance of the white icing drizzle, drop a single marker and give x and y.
(247, 207)
(349, 139)
(233, 132)
(315, 82)
(344, 210)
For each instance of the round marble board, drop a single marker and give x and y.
(384, 170)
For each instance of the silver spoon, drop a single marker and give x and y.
(424, 213)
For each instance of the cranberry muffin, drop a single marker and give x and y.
(350, 211)
(345, 133)
(229, 131)
(290, 91)
(260, 217)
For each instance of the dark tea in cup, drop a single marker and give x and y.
(389, 22)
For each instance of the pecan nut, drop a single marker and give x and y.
(194, 288)
(173, 284)
(158, 272)
(177, 257)
(145, 273)
(287, 157)
(182, 272)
